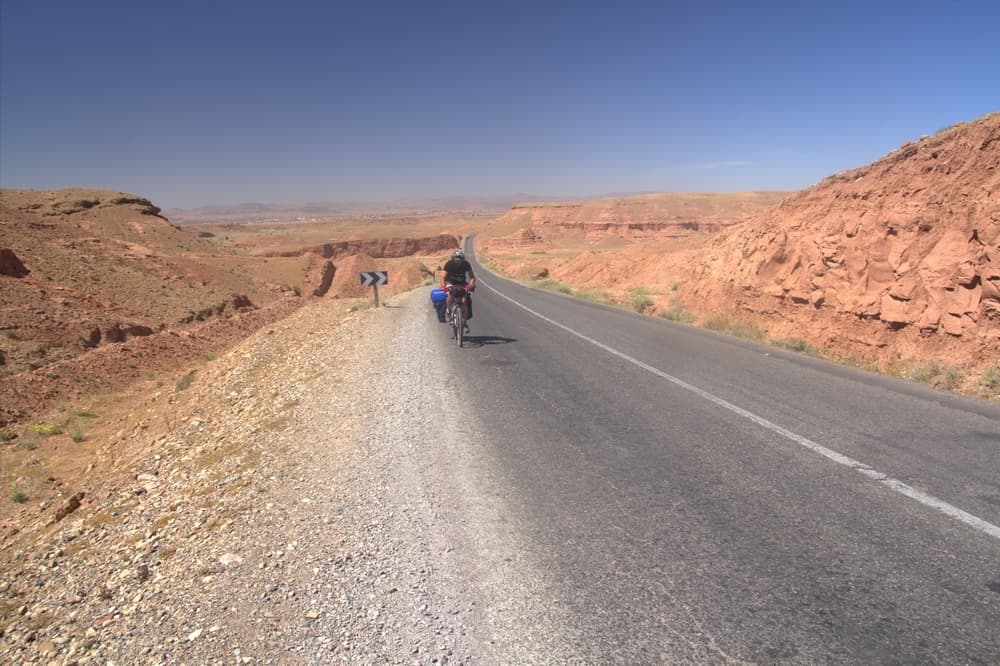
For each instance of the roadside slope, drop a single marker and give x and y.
(263, 511)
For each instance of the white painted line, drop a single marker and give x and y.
(900, 487)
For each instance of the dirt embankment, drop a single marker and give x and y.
(97, 290)
(900, 258)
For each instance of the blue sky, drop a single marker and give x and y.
(194, 103)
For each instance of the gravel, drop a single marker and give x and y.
(294, 511)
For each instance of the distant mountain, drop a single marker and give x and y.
(280, 212)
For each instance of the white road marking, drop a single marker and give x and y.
(900, 487)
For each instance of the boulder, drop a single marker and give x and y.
(10, 264)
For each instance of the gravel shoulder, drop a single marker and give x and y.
(325, 492)
(314, 496)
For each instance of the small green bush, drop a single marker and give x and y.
(45, 429)
(210, 356)
(18, 496)
(77, 435)
(86, 415)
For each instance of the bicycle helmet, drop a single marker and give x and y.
(458, 254)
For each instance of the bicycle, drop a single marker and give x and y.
(457, 314)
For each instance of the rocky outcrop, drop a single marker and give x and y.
(898, 259)
(644, 216)
(70, 201)
(235, 304)
(911, 240)
(319, 276)
(376, 248)
(521, 239)
(10, 265)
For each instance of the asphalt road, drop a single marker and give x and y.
(681, 496)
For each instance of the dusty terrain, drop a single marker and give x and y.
(149, 370)
(99, 290)
(247, 512)
(893, 265)
(102, 300)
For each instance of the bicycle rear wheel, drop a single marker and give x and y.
(459, 325)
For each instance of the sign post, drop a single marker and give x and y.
(373, 279)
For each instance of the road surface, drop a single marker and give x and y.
(653, 493)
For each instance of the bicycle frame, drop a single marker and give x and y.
(457, 314)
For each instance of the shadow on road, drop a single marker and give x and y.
(483, 340)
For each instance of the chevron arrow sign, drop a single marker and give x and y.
(374, 278)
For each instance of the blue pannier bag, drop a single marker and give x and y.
(439, 299)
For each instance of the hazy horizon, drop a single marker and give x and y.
(195, 104)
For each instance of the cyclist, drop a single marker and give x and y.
(455, 271)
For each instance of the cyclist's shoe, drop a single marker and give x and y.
(465, 327)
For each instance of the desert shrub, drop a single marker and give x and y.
(748, 330)
(718, 322)
(678, 312)
(552, 285)
(929, 372)
(797, 345)
(642, 299)
(916, 371)
(184, 382)
(45, 429)
(642, 303)
(18, 496)
(210, 356)
(86, 415)
(741, 329)
(77, 435)
(594, 295)
(989, 382)
(951, 379)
